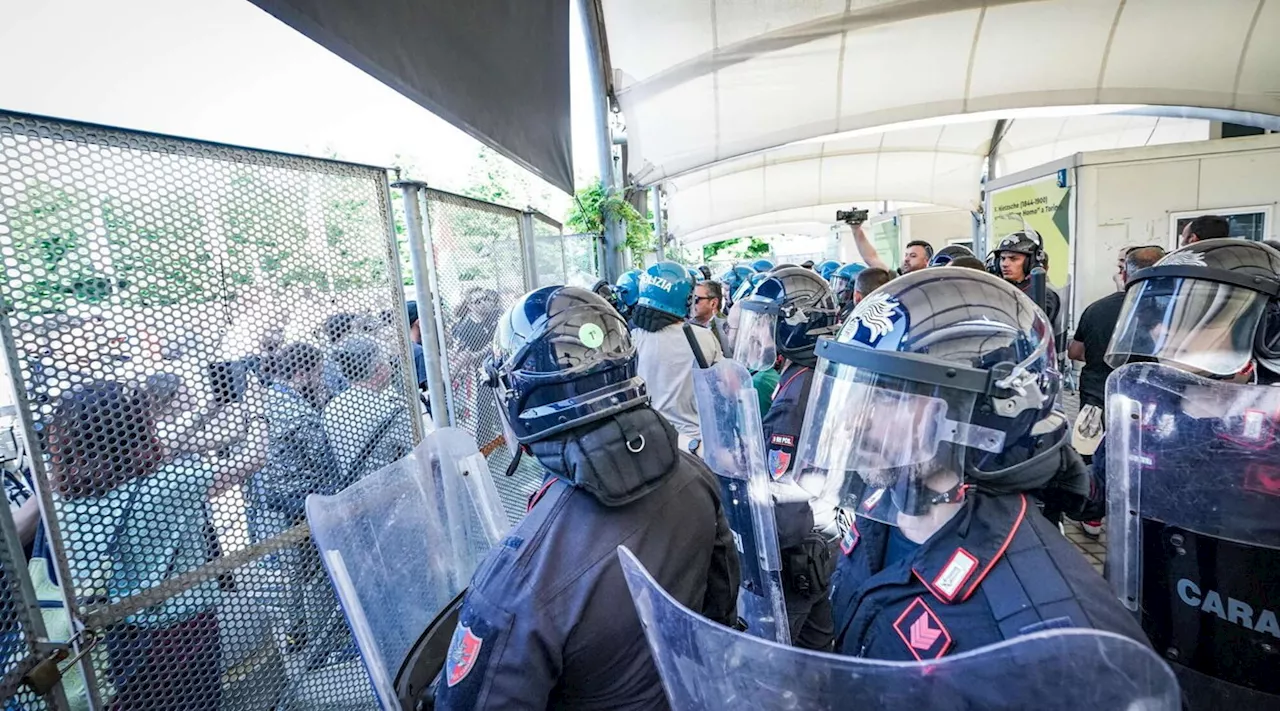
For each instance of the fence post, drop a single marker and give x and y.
(527, 247)
(421, 262)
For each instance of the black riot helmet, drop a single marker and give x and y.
(785, 316)
(937, 381)
(562, 357)
(948, 253)
(1027, 242)
(1210, 308)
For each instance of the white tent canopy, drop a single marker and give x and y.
(702, 81)
(937, 164)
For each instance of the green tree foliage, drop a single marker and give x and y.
(50, 229)
(741, 248)
(158, 249)
(593, 205)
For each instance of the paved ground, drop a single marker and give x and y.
(1094, 550)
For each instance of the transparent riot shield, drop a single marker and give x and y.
(401, 544)
(1193, 489)
(707, 667)
(733, 446)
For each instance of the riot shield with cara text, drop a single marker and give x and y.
(1193, 488)
(733, 447)
(708, 667)
(401, 544)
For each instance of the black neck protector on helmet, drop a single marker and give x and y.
(651, 320)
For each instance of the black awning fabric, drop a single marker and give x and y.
(497, 69)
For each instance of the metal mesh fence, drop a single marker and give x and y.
(580, 258)
(200, 337)
(19, 626)
(480, 272)
(549, 252)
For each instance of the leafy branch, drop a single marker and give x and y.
(594, 205)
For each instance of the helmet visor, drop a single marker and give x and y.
(839, 284)
(1202, 326)
(864, 431)
(753, 344)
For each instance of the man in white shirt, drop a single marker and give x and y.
(664, 356)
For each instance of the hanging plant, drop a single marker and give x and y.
(594, 204)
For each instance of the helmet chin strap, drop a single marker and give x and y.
(929, 510)
(515, 461)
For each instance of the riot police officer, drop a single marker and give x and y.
(1193, 447)
(1015, 257)
(732, 280)
(842, 285)
(948, 254)
(627, 289)
(785, 316)
(542, 624)
(664, 357)
(827, 268)
(930, 419)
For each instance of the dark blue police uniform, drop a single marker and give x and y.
(807, 560)
(548, 620)
(995, 571)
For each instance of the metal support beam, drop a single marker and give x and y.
(423, 266)
(612, 255)
(528, 251)
(659, 224)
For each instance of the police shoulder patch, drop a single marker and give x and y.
(464, 650)
(779, 462)
(922, 631)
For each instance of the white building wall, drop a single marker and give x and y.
(1126, 197)
(937, 227)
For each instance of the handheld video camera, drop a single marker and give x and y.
(852, 217)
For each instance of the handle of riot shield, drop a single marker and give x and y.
(1040, 288)
(427, 657)
(693, 345)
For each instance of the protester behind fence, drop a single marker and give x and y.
(337, 328)
(299, 459)
(415, 344)
(367, 427)
(149, 516)
(470, 339)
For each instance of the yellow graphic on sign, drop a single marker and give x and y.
(1044, 207)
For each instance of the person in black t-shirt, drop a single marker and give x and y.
(1093, 335)
(1093, 331)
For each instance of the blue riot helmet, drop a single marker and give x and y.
(842, 283)
(562, 357)
(695, 275)
(749, 285)
(732, 280)
(762, 265)
(785, 316)
(667, 287)
(940, 380)
(949, 253)
(827, 268)
(628, 291)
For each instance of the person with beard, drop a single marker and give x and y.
(930, 428)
